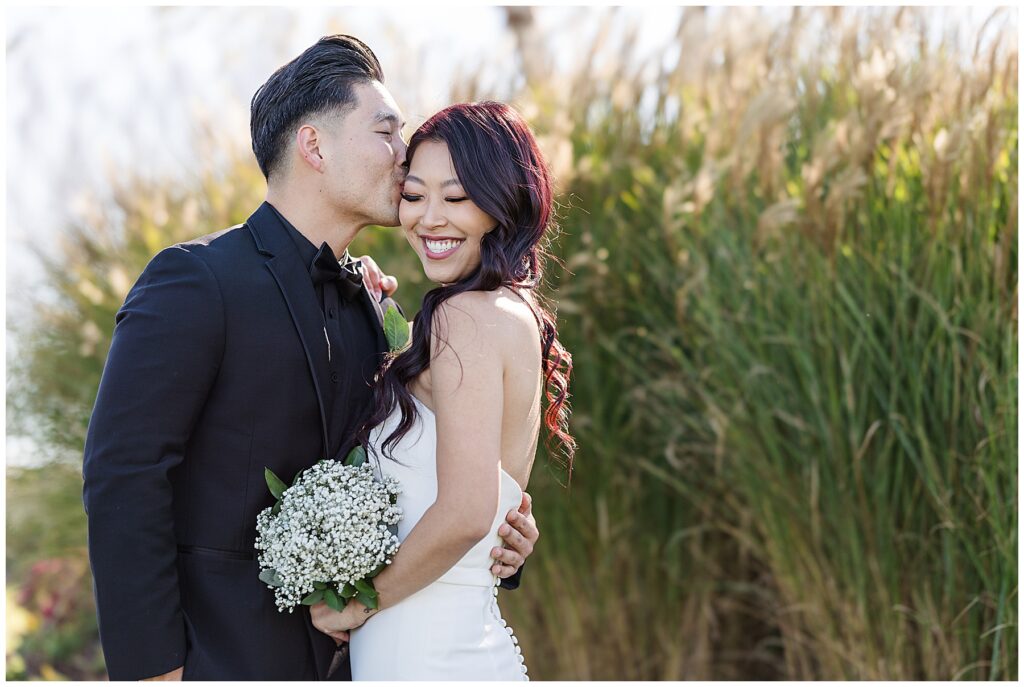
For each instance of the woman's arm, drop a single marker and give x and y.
(466, 375)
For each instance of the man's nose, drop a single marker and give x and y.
(400, 149)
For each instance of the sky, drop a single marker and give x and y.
(93, 93)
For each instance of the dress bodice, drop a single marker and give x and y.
(415, 467)
(451, 629)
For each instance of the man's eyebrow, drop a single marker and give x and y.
(389, 117)
(450, 182)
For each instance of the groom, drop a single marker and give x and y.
(247, 349)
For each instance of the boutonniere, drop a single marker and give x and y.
(396, 329)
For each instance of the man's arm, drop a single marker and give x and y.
(164, 356)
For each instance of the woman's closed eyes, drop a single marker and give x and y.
(412, 198)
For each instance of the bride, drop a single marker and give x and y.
(458, 413)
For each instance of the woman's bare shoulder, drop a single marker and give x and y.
(500, 312)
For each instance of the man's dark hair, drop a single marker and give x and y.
(318, 81)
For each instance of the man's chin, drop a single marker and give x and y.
(388, 220)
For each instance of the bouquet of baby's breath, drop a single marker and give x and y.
(329, 534)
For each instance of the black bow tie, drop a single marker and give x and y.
(327, 268)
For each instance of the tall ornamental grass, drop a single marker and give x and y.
(789, 281)
(790, 290)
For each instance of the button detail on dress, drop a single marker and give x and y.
(515, 642)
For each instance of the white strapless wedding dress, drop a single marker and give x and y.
(451, 629)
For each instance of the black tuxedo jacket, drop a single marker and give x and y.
(211, 377)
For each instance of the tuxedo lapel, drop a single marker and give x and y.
(378, 311)
(293, 279)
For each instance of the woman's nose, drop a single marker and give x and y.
(432, 215)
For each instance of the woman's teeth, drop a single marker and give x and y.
(439, 247)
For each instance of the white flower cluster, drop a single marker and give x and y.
(332, 527)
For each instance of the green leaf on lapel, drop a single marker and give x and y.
(396, 329)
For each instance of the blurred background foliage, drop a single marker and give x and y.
(789, 283)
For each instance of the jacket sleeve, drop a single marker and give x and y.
(512, 581)
(166, 350)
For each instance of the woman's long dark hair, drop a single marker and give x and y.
(501, 168)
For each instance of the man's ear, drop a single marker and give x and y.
(307, 138)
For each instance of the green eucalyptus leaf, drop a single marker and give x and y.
(270, 576)
(314, 597)
(348, 591)
(377, 570)
(320, 585)
(332, 600)
(276, 509)
(277, 486)
(356, 457)
(396, 329)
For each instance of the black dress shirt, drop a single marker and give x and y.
(349, 329)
